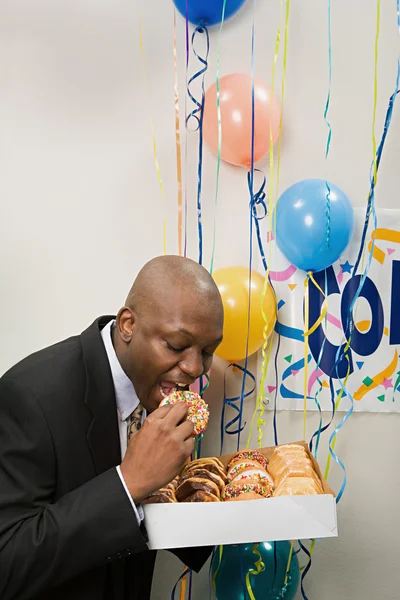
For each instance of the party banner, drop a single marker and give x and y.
(373, 356)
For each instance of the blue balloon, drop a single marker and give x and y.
(304, 234)
(207, 12)
(269, 584)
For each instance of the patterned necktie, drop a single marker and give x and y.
(135, 422)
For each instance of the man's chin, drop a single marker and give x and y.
(153, 400)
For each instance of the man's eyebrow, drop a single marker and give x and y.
(186, 332)
(190, 334)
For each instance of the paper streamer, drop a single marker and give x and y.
(282, 275)
(153, 136)
(378, 378)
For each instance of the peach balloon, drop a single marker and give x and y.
(236, 118)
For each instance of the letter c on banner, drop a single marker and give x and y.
(316, 339)
(368, 342)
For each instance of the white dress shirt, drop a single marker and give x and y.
(127, 401)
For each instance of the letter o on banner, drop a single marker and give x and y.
(363, 343)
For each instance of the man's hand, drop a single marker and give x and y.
(158, 451)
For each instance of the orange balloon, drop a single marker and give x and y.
(236, 117)
(233, 285)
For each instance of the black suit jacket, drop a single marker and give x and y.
(67, 528)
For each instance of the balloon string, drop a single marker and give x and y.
(219, 126)
(273, 227)
(275, 419)
(284, 67)
(305, 570)
(183, 587)
(320, 429)
(370, 211)
(178, 144)
(251, 186)
(153, 136)
(186, 132)
(306, 344)
(259, 568)
(231, 402)
(197, 114)
(214, 579)
(309, 331)
(328, 142)
(254, 200)
(185, 572)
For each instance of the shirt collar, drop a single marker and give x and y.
(126, 397)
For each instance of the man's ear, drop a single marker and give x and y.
(126, 323)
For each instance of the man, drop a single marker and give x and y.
(71, 524)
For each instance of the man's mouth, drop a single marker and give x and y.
(169, 387)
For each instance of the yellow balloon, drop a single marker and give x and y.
(233, 284)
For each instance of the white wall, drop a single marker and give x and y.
(81, 210)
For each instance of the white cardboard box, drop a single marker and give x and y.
(184, 525)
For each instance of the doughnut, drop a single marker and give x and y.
(198, 411)
(193, 484)
(242, 488)
(257, 474)
(209, 464)
(249, 455)
(238, 467)
(202, 496)
(204, 474)
(245, 496)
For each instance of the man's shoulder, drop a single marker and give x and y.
(48, 363)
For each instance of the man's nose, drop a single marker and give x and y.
(192, 364)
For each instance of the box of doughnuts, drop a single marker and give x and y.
(269, 494)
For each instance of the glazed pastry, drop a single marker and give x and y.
(298, 486)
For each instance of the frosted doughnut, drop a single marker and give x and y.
(198, 411)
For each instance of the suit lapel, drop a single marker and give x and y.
(103, 433)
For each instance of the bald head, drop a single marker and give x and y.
(171, 275)
(169, 328)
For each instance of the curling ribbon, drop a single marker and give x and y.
(231, 401)
(370, 211)
(186, 131)
(284, 67)
(328, 142)
(306, 344)
(185, 572)
(251, 187)
(317, 434)
(254, 200)
(219, 125)
(220, 552)
(197, 113)
(153, 137)
(183, 587)
(178, 145)
(259, 567)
